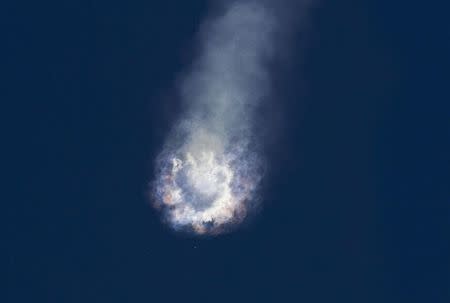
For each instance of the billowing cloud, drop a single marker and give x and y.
(209, 169)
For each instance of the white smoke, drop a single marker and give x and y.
(209, 170)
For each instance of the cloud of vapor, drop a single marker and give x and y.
(210, 167)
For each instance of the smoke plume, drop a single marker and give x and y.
(210, 167)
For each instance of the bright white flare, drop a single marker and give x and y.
(206, 190)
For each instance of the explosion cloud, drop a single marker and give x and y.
(209, 170)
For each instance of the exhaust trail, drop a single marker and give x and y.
(209, 170)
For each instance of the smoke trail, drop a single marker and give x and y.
(209, 170)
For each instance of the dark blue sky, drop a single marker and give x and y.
(357, 203)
